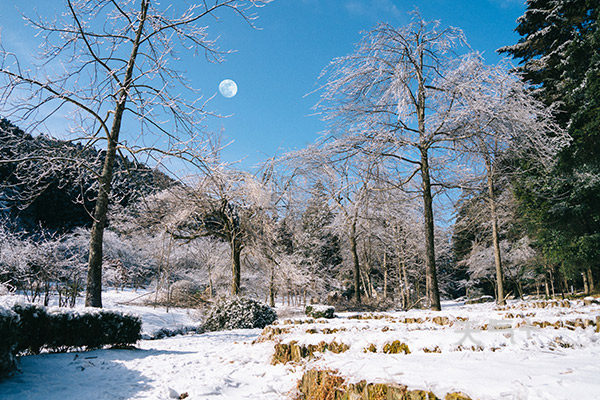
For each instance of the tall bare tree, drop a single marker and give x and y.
(110, 64)
(393, 97)
(503, 121)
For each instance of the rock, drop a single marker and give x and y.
(457, 396)
(320, 311)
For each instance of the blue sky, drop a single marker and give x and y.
(277, 66)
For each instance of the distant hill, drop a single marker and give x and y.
(53, 185)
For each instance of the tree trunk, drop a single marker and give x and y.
(364, 283)
(495, 235)
(586, 286)
(590, 280)
(385, 277)
(272, 288)
(356, 262)
(236, 249)
(406, 287)
(210, 282)
(400, 282)
(433, 294)
(520, 289)
(94, 277)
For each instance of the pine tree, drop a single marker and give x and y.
(554, 49)
(560, 57)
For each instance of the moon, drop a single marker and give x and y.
(228, 88)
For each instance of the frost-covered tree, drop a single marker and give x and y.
(229, 205)
(503, 120)
(317, 239)
(112, 64)
(346, 181)
(395, 98)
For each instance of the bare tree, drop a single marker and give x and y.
(393, 98)
(109, 62)
(226, 204)
(346, 179)
(502, 120)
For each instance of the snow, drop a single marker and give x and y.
(221, 365)
(511, 359)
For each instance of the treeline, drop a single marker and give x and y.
(438, 176)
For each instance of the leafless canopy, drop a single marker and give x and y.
(86, 66)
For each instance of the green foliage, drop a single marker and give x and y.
(560, 56)
(553, 50)
(239, 313)
(29, 328)
(58, 329)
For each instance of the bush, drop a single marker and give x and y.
(33, 327)
(29, 328)
(167, 332)
(8, 340)
(57, 329)
(239, 313)
(320, 311)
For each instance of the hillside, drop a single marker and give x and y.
(65, 186)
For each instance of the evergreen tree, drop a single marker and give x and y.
(320, 244)
(560, 57)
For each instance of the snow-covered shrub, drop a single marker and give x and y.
(34, 327)
(59, 329)
(316, 311)
(8, 340)
(239, 313)
(168, 332)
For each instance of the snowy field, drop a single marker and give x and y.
(521, 352)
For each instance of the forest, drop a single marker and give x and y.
(439, 176)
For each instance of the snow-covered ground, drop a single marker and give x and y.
(223, 365)
(477, 349)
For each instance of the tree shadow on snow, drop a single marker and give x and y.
(94, 375)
